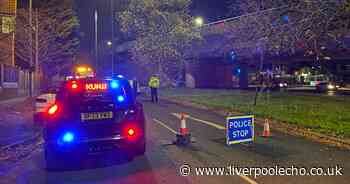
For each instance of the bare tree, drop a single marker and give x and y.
(162, 31)
(57, 27)
(278, 27)
(5, 47)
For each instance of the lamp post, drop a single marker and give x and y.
(96, 40)
(112, 42)
(31, 77)
(109, 43)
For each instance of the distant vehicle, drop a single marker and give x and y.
(281, 85)
(136, 86)
(314, 80)
(327, 86)
(42, 103)
(93, 117)
(144, 90)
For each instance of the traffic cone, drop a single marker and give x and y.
(266, 132)
(184, 137)
(183, 129)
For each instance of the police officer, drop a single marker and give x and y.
(154, 85)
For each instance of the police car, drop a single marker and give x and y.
(93, 117)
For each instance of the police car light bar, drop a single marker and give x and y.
(114, 84)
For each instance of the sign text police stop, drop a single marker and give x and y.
(239, 129)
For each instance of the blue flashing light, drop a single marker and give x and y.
(285, 18)
(120, 99)
(68, 137)
(236, 71)
(232, 56)
(114, 84)
(120, 76)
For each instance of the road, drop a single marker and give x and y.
(163, 159)
(15, 122)
(344, 91)
(312, 90)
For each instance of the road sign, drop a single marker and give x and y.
(239, 129)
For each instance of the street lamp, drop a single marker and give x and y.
(199, 21)
(109, 43)
(96, 39)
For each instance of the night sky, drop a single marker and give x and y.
(211, 10)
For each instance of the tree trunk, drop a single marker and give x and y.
(260, 70)
(243, 76)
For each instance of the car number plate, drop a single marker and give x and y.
(96, 116)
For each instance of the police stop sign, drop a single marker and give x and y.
(239, 129)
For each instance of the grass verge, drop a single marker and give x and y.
(323, 114)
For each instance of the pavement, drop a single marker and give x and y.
(163, 160)
(13, 100)
(15, 120)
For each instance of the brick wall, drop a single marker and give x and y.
(8, 6)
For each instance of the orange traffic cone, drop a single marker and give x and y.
(184, 137)
(183, 128)
(266, 132)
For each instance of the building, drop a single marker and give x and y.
(8, 72)
(207, 60)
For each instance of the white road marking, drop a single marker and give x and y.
(19, 142)
(215, 125)
(245, 178)
(220, 127)
(165, 126)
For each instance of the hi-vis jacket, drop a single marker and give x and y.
(154, 82)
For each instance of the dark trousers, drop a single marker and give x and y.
(154, 94)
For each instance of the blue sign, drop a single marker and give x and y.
(239, 129)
